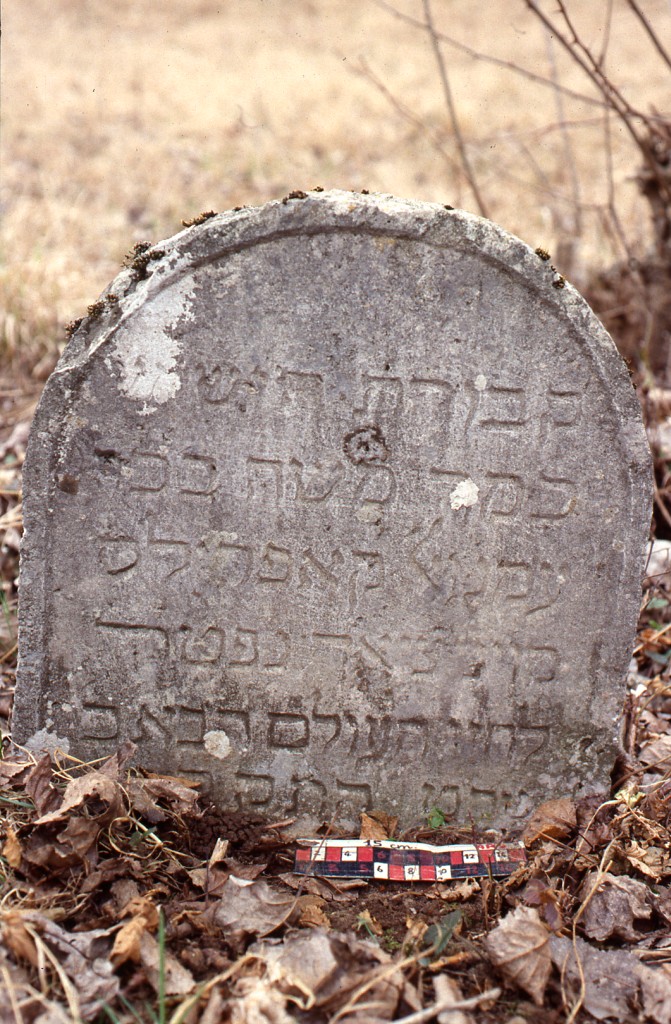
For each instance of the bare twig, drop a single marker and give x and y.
(576, 218)
(406, 113)
(488, 58)
(449, 1007)
(611, 208)
(586, 61)
(606, 33)
(654, 38)
(449, 101)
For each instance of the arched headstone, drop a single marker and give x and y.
(334, 504)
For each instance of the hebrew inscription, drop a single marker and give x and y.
(368, 535)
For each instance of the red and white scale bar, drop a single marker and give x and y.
(406, 862)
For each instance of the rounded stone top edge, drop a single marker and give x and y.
(304, 213)
(338, 210)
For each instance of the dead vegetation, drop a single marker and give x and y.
(124, 896)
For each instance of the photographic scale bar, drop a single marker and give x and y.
(406, 862)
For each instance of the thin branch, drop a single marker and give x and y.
(447, 93)
(488, 58)
(611, 207)
(566, 138)
(654, 38)
(584, 59)
(421, 1016)
(406, 113)
(606, 34)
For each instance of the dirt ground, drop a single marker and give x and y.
(121, 119)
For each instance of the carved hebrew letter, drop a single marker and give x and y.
(236, 725)
(354, 798)
(180, 550)
(276, 649)
(275, 564)
(99, 722)
(537, 665)
(318, 718)
(148, 640)
(313, 569)
(383, 398)
(368, 574)
(205, 648)
(413, 737)
(187, 724)
(554, 498)
(315, 482)
(254, 790)
(303, 392)
(288, 731)
(446, 798)
(149, 471)
(309, 796)
(198, 474)
(530, 741)
(118, 554)
(505, 494)
(546, 588)
(232, 562)
(244, 647)
(564, 410)
(502, 407)
(378, 738)
(264, 480)
(377, 484)
(513, 579)
(217, 383)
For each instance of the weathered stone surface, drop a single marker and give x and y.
(341, 503)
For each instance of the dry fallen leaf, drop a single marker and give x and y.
(178, 793)
(377, 825)
(83, 956)
(555, 819)
(656, 992)
(39, 786)
(105, 797)
(519, 947)
(615, 982)
(447, 993)
(311, 912)
(257, 1002)
(11, 848)
(17, 938)
(459, 891)
(14, 772)
(614, 906)
(115, 764)
(144, 804)
(538, 893)
(652, 861)
(657, 754)
(128, 941)
(251, 908)
(177, 979)
(300, 965)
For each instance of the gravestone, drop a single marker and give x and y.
(338, 503)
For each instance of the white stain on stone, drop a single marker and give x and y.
(146, 350)
(217, 743)
(480, 382)
(43, 741)
(464, 495)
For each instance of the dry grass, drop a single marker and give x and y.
(122, 118)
